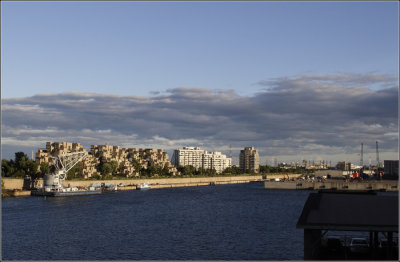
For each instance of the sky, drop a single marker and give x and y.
(296, 80)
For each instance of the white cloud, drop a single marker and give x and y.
(301, 115)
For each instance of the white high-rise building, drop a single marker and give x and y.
(188, 156)
(217, 161)
(196, 157)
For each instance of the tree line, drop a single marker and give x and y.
(22, 166)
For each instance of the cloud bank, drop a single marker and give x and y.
(298, 117)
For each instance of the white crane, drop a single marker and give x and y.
(64, 163)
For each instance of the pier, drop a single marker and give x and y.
(366, 185)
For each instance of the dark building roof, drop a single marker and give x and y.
(350, 212)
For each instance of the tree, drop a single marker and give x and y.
(31, 169)
(21, 161)
(189, 170)
(233, 170)
(75, 172)
(20, 156)
(21, 166)
(44, 168)
(151, 171)
(211, 172)
(114, 167)
(137, 165)
(7, 168)
(106, 169)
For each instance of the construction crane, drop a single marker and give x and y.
(362, 151)
(64, 163)
(377, 155)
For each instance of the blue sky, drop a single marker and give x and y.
(132, 48)
(197, 55)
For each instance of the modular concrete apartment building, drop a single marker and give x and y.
(249, 160)
(125, 157)
(196, 157)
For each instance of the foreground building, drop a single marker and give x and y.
(391, 168)
(249, 160)
(198, 158)
(347, 213)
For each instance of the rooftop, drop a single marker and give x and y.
(350, 212)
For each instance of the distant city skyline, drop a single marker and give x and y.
(295, 80)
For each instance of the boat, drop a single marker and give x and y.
(142, 186)
(65, 192)
(108, 187)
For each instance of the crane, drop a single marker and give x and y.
(377, 155)
(64, 163)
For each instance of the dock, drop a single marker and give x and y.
(366, 185)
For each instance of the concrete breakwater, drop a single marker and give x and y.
(383, 185)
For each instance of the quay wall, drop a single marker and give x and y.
(170, 182)
(13, 183)
(384, 185)
(17, 184)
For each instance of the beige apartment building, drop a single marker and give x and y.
(125, 157)
(249, 160)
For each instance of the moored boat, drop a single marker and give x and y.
(142, 186)
(65, 192)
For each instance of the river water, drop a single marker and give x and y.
(223, 222)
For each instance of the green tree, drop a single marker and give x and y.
(20, 157)
(211, 172)
(7, 168)
(114, 167)
(32, 169)
(137, 165)
(106, 169)
(233, 170)
(21, 162)
(165, 171)
(151, 170)
(44, 168)
(75, 172)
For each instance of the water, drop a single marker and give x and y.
(224, 222)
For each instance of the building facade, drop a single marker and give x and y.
(129, 160)
(198, 158)
(249, 160)
(54, 149)
(391, 167)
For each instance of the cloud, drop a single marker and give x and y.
(300, 116)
